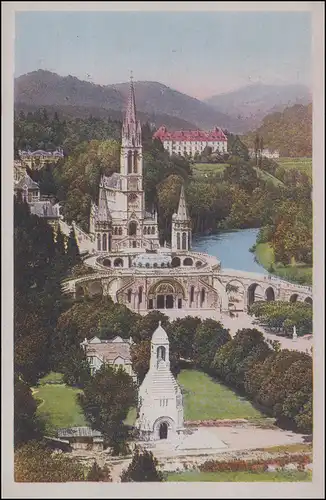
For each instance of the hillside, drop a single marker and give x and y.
(290, 131)
(156, 101)
(69, 112)
(251, 103)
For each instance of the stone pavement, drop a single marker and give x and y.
(243, 320)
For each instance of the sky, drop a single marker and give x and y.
(198, 53)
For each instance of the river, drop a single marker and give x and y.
(231, 248)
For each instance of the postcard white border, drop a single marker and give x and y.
(10, 489)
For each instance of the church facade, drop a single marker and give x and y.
(119, 221)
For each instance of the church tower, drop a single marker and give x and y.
(160, 408)
(102, 222)
(181, 226)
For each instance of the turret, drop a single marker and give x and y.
(159, 348)
(181, 226)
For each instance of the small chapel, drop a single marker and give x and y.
(160, 405)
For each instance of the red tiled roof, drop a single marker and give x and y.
(190, 135)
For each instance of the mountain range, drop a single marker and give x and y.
(252, 103)
(161, 105)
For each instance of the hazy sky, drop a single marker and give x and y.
(199, 53)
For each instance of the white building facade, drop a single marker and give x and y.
(192, 142)
(160, 405)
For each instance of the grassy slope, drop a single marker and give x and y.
(304, 164)
(239, 476)
(58, 406)
(200, 169)
(206, 399)
(265, 256)
(208, 168)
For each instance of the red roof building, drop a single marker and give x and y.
(190, 142)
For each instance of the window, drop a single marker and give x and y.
(129, 162)
(140, 294)
(178, 241)
(129, 295)
(192, 293)
(184, 241)
(99, 242)
(104, 243)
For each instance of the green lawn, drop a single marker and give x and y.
(206, 399)
(208, 168)
(233, 477)
(131, 417)
(58, 406)
(304, 164)
(298, 272)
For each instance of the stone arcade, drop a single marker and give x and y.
(160, 407)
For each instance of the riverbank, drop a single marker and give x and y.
(298, 273)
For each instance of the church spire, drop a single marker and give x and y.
(131, 106)
(182, 213)
(131, 129)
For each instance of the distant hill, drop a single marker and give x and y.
(68, 112)
(158, 103)
(289, 131)
(251, 103)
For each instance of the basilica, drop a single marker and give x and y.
(127, 262)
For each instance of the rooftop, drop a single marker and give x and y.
(190, 135)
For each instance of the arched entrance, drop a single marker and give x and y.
(188, 262)
(308, 300)
(166, 295)
(235, 291)
(79, 291)
(163, 431)
(175, 262)
(118, 262)
(255, 292)
(95, 289)
(269, 294)
(294, 297)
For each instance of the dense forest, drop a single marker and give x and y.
(289, 131)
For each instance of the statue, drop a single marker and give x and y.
(295, 336)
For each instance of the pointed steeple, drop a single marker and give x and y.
(182, 213)
(131, 129)
(130, 117)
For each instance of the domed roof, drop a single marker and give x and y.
(160, 335)
(152, 260)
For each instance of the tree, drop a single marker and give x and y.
(182, 335)
(237, 356)
(96, 473)
(72, 250)
(26, 424)
(106, 400)
(143, 467)
(75, 368)
(209, 338)
(35, 463)
(146, 325)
